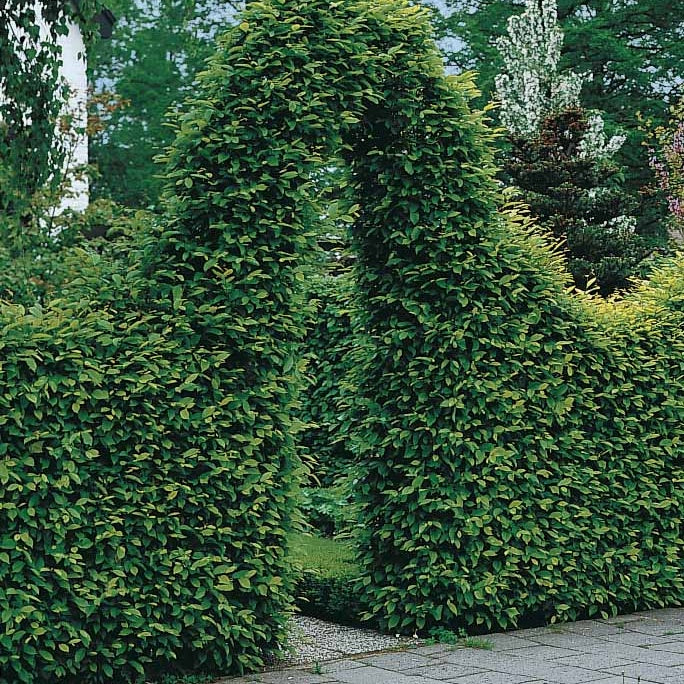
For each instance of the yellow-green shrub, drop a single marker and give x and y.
(523, 449)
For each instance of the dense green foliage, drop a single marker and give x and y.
(327, 347)
(328, 510)
(578, 200)
(520, 448)
(327, 573)
(134, 534)
(149, 476)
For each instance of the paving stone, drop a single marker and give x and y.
(332, 666)
(670, 614)
(647, 672)
(677, 676)
(628, 620)
(544, 652)
(432, 650)
(491, 678)
(487, 660)
(594, 661)
(398, 661)
(610, 679)
(507, 642)
(556, 673)
(444, 671)
(666, 658)
(591, 628)
(637, 638)
(670, 646)
(293, 677)
(636, 653)
(376, 675)
(657, 627)
(570, 640)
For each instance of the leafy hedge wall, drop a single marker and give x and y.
(147, 462)
(142, 528)
(521, 449)
(325, 400)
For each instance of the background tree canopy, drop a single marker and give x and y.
(635, 51)
(154, 55)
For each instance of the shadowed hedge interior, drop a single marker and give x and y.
(520, 448)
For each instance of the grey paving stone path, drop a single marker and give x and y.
(644, 647)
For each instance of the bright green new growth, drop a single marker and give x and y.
(520, 448)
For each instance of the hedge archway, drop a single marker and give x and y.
(149, 472)
(520, 447)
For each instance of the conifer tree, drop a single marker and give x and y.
(561, 157)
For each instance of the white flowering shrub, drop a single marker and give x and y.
(531, 86)
(595, 144)
(622, 226)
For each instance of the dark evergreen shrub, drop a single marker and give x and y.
(580, 201)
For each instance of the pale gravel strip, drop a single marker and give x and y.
(312, 640)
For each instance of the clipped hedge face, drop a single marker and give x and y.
(142, 525)
(520, 449)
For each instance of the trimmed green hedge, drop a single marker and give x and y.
(147, 461)
(521, 449)
(142, 532)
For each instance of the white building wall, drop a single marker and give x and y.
(73, 71)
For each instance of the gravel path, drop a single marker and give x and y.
(313, 640)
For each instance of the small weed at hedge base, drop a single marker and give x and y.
(556, 629)
(459, 638)
(187, 679)
(477, 642)
(439, 635)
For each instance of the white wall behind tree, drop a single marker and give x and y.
(73, 71)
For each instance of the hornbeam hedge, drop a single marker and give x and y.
(520, 448)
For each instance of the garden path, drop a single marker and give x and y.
(645, 647)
